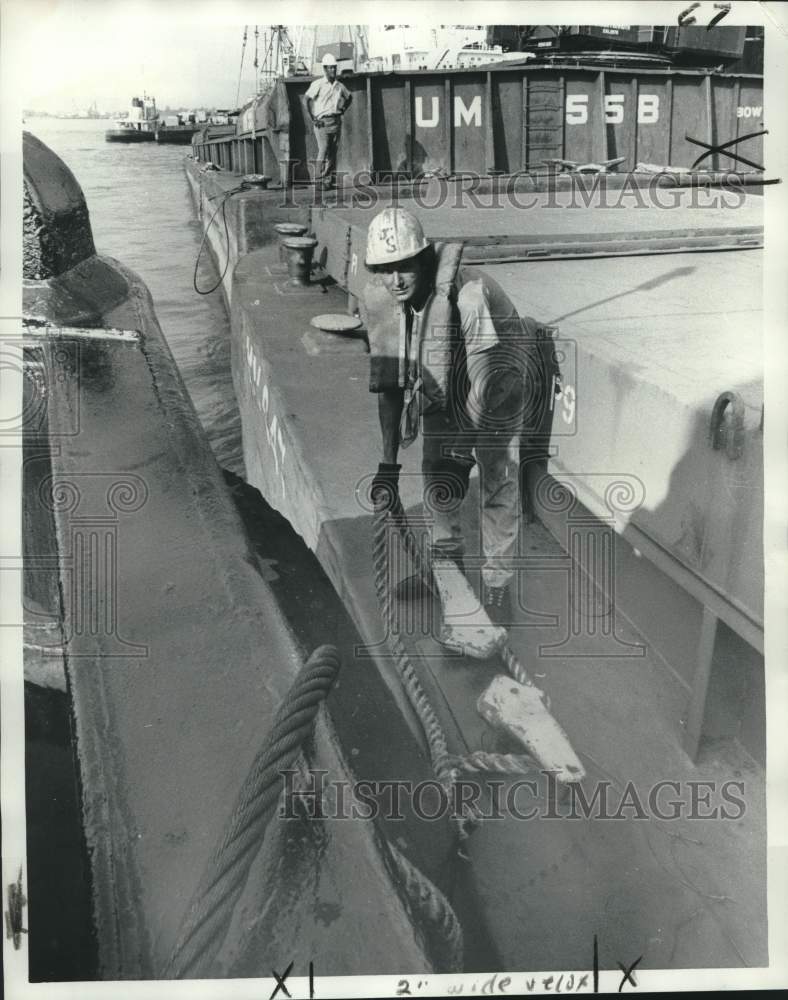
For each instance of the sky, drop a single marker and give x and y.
(187, 53)
(82, 51)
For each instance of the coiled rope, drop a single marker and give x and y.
(208, 915)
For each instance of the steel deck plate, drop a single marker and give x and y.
(486, 217)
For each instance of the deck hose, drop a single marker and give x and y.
(222, 207)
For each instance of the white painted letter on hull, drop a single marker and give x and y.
(421, 121)
(469, 115)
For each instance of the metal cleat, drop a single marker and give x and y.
(466, 628)
(520, 711)
(573, 167)
(570, 164)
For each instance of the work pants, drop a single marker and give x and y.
(327, 137)
(492, 433)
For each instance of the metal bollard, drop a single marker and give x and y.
(287, 229)
(299, 251)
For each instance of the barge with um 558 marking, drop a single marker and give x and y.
(639, 610)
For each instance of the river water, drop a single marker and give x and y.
(142, 214)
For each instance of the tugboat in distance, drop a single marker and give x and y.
(178, 129)
(139, 125)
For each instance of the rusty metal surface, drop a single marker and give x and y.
(56, 223)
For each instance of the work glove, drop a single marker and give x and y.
(384, 490)
(449, 479)
(459, 466)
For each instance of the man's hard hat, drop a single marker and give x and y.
(394, 234)
(328, 60)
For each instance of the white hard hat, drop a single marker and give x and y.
(394, 235)
(328, 60)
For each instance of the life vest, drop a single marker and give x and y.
(423, 367)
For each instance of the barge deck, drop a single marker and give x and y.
(310, 438)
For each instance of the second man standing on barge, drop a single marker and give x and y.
(326, 101)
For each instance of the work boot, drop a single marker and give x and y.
(415, 588)
(498, 604)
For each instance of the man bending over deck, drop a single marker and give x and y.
(447, 345)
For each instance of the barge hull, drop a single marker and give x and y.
(175, 136)
(128, 136)
(505, 120)
(133, 545)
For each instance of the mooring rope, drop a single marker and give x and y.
(447, 767)
(508, 656)
(484, 762)
(206, 921)
(208, 916)
(442, 763)
(431, 906)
